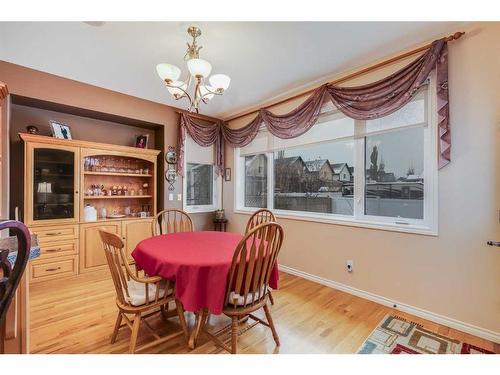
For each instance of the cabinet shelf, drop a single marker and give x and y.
(117, 196)
(117, 174)
(53, 204)
(126, 218)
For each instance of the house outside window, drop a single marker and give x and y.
(378, 173)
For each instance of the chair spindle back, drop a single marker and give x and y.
(252, 265)
(123, 275)
(260, 217)
(172, 221)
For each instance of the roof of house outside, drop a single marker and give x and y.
(256, 158)
(337, 167)
(316, 165)
(289, 160)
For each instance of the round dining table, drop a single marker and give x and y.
(198, 263)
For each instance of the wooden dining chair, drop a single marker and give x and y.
(172, 221)
(247, 288)
(140, 296)
(260, 217)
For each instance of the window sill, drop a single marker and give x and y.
(393, 227)
(200, 210)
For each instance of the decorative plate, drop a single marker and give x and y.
(115, 216)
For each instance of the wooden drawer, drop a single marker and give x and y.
(47, 235)
(61, 267)
(57, 249)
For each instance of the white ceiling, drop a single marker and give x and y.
(262, 59)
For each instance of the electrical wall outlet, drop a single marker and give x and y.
(179, 197)
(170, 196)
(350, 265)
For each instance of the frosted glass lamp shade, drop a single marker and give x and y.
(199, 68)
(44, 187)
(204, 90)
(175, 90)
(220, 81)
(168, 72)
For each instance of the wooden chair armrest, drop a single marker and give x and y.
(145, 279)
(149, 279)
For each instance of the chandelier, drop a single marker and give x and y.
(199, 70)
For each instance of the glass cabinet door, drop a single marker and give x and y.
(54, 176)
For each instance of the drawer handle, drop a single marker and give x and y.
(54, 233)
(53, 269)
(54, 250)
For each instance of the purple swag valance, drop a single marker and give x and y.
(365, 102)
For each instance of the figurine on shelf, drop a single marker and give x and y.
(104, 167)
(145, 188)
(125, 190)
(32, 129)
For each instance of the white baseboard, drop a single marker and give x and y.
(437, 318)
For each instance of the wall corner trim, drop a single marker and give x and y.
(437, 318)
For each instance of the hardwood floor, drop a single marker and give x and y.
(77, 316)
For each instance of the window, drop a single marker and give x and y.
(256, 181)
(201, 187)
(376, 173)
(315, 178)
(199, 184)
(397, 191)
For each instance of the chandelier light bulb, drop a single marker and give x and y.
(199, 68)
(220, 82)
(168, 72)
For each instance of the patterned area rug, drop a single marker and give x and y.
(396, 335)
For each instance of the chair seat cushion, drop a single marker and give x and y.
(137, 292)
(239, 299)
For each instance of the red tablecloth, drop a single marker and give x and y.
(198, 262)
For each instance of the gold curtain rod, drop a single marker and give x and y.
(358, 73)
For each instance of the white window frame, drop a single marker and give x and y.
(427, 226)
(216, 188)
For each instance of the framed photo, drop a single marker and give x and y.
(227, 174)
(141, 141)
(60, 130)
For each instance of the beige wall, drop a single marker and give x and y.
(39, 85)
(454, 274)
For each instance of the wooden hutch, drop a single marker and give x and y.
(62, 177)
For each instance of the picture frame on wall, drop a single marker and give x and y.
(60, 130)
(141, 141)
(227, 174)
